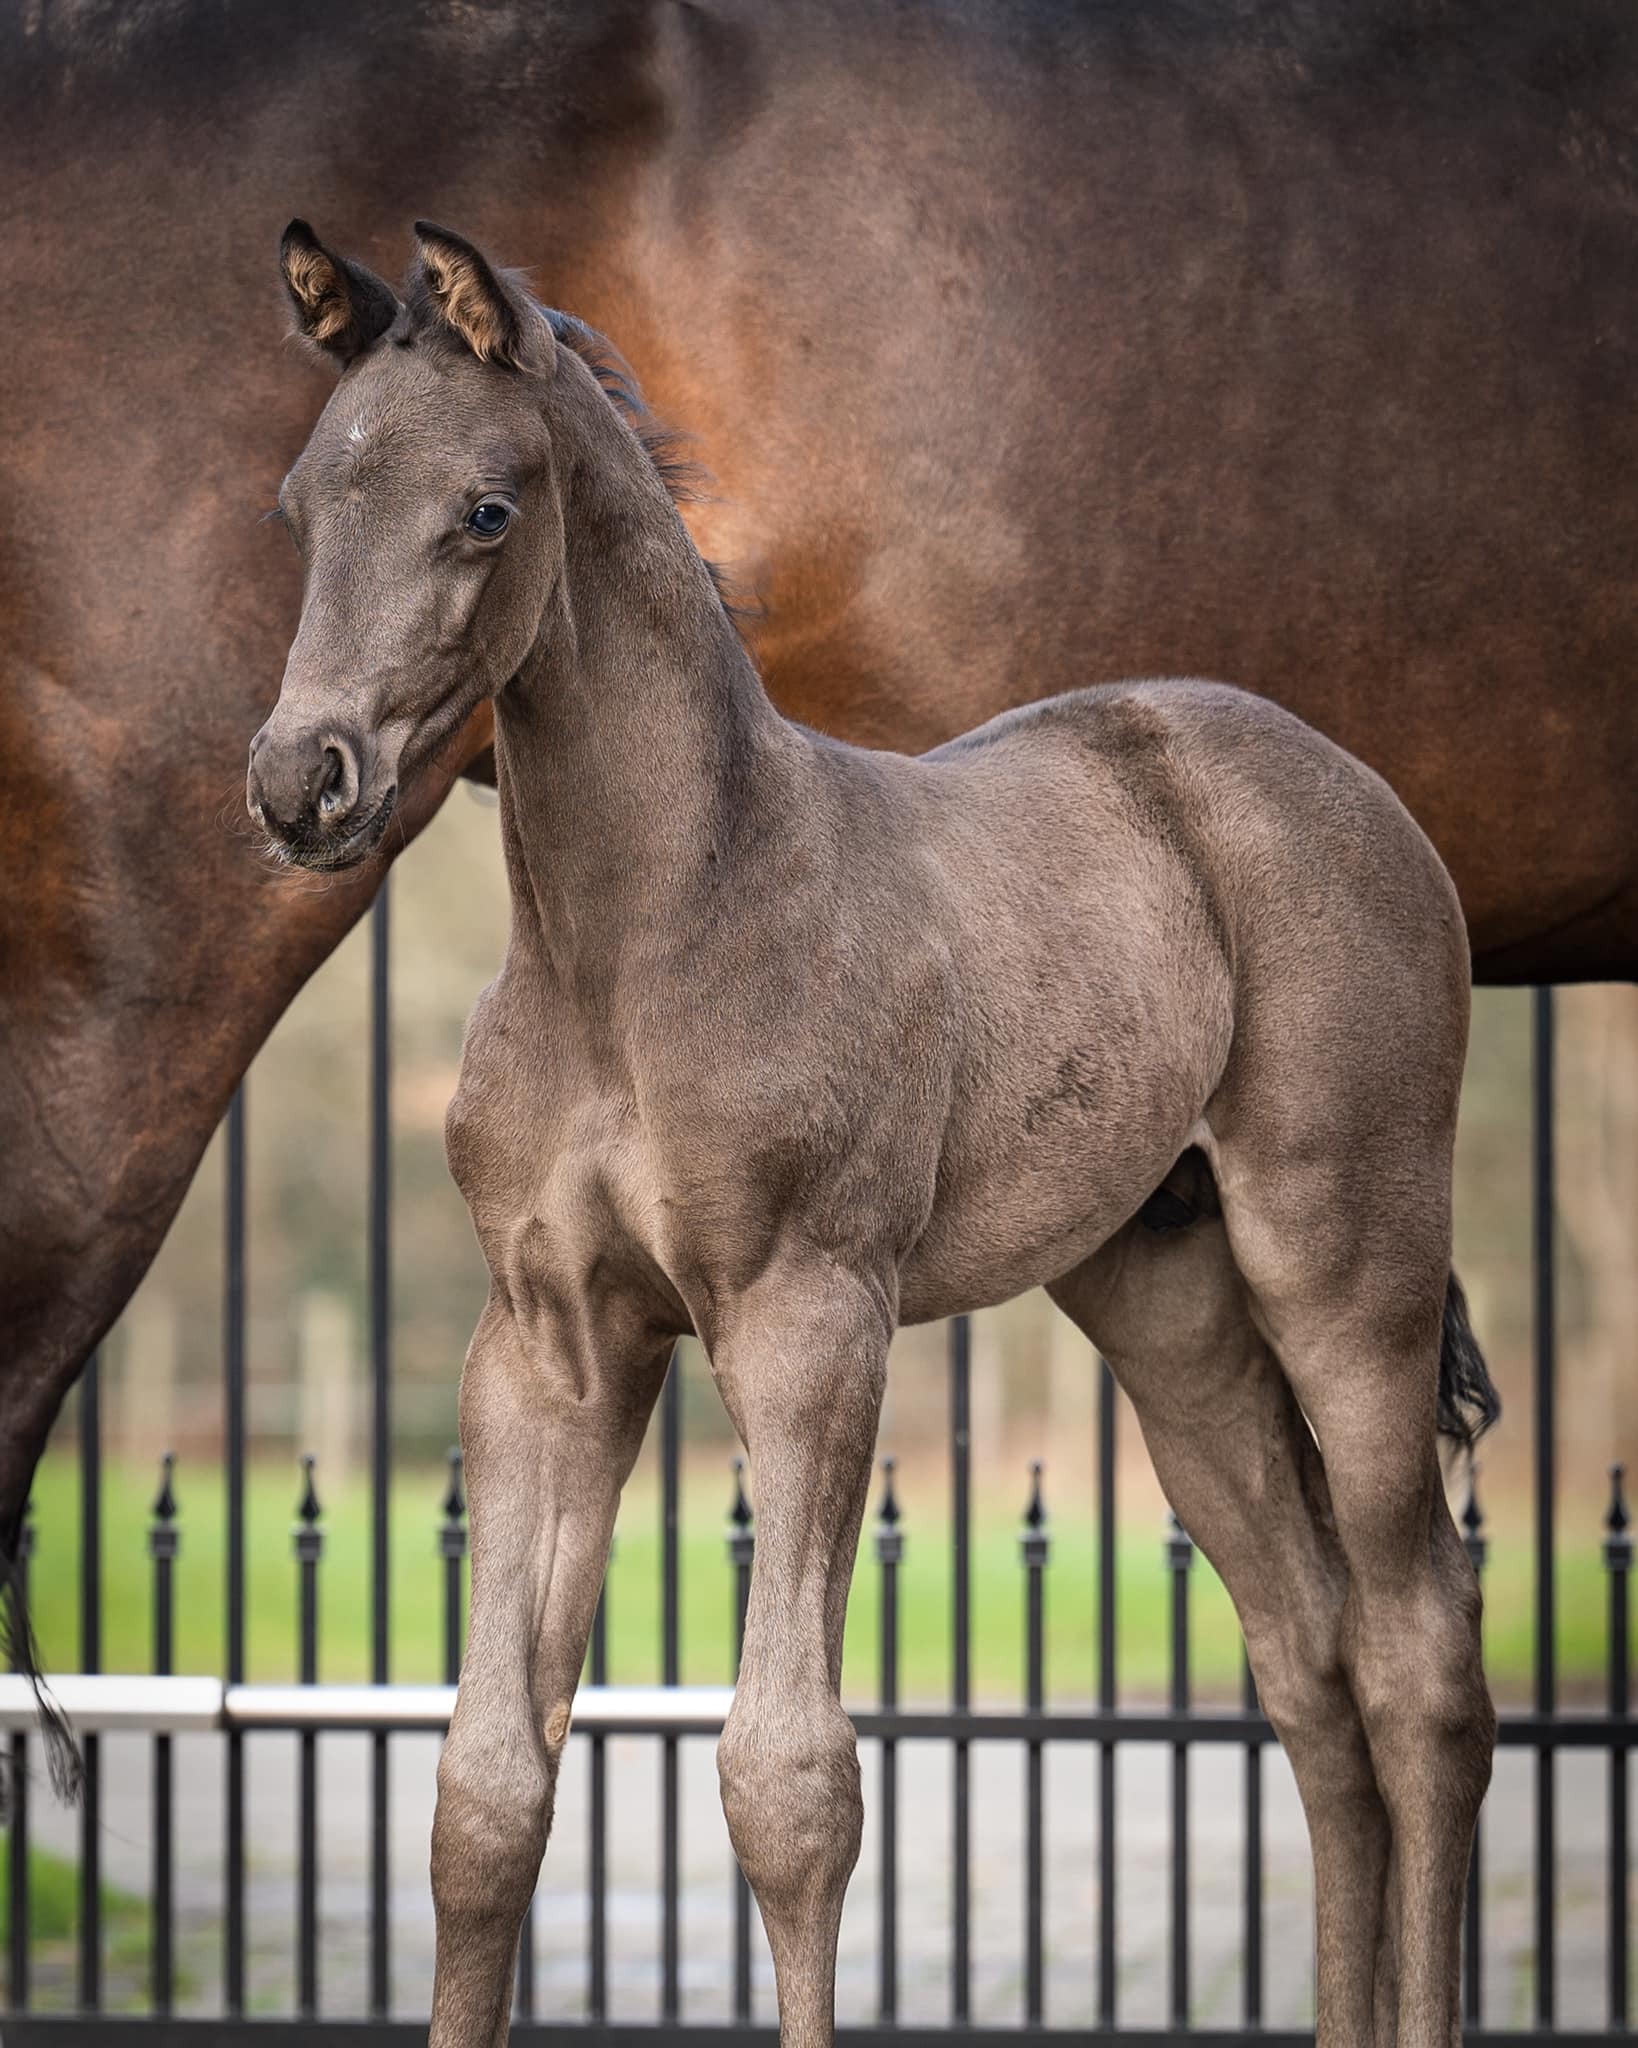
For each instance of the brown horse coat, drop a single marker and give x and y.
(1029, 346)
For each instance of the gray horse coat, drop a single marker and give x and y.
(795, 1042)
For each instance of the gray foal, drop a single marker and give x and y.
(1148, 994)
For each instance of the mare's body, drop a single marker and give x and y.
(793, 1041)
(1028, 346)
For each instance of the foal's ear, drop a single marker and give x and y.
(340, 307)
(454, 283)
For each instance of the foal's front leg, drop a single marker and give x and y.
(550, 1427)
(801, 1370)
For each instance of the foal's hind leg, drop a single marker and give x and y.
(1238, 1463)
(550, 1427)
(1345, 1255)
(801, 1366)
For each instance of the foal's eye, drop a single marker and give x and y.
(489, 519)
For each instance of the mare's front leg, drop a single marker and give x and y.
(551, 1423)
(801, 1366)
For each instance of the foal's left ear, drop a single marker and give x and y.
(340, 306)
(454, 282)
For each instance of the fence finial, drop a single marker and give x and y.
(1033, 1536)
(1618, 1524)
(889, 1514)
(741, 1533)
(455, 1498)
(1474, 1540)
(309, 1537)
(889, 1537)
(1035, 1512)
(164, 1537)
(1179, 1543)
(739, 1508)
(165, 1504)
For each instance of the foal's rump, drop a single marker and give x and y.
(1236, 932)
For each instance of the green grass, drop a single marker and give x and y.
(54, 1916)
(707, 1595)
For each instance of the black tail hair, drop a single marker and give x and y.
(22, 1652)
(1468, 1401)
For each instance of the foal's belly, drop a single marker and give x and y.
(1036, 1210)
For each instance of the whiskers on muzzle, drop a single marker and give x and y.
(314, 851)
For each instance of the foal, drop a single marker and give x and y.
(1148, 993)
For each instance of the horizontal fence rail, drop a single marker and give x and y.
(107, 1704)
(164, 1705)
(56, 2030)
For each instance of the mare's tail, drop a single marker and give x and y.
(22, 1653)
(1468, 1401)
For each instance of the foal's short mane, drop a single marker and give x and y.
(664, 446)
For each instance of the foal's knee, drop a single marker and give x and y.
(790, 1794)
(490, 1824)
(1303, 1690)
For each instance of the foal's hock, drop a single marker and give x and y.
(1148, 994)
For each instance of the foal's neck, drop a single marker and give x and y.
(637, 742)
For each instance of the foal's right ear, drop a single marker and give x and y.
(340, 306)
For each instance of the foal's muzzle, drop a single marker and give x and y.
(310, 795)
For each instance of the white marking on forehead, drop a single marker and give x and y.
(357, 431)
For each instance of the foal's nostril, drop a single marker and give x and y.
(332, 782)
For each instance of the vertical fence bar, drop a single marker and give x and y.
(741, 1556)
(90, 1914)
(452, 1544)
(670, 1674)
(309, 1548)
(1179, 1559)
(1252, 1980)
(889, 1556)
(1477, 1548)
(961, 1454)
(380, 1286)
(523, 1996)
(1034, 1548)
(164, 1541)
(597, 1960)
(18, 1907)
(1546, 1675)
(1618, 1563)
(233, 1372)
(1106, 1694)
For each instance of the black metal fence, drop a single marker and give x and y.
(676, 1714)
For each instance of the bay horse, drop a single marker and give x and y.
(1293, 340)
(1148, 994)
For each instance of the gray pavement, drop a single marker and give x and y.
(1144, 1835)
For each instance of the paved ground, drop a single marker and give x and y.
(1144, 1834)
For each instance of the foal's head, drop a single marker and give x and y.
(426, 511)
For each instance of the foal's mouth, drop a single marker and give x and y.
(324, 856)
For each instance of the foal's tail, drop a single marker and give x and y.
(1468, 1401)
(22, 1653)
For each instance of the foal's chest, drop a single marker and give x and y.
(551, 1157)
